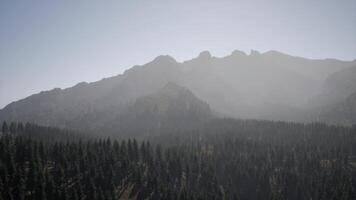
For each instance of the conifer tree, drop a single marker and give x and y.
(5, 128)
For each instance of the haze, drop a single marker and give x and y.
(60, 43)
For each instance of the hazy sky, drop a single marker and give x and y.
(47, 44)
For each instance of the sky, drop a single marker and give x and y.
(56, 44)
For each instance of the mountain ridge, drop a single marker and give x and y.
(237, 85)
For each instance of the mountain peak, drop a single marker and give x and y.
(254, 52)
(238, 53)
(81, 84)
(204, 55)
(171, 86)
(274, 53)
(172, 95)
(164, 59)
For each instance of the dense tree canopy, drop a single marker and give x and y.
(225, 159)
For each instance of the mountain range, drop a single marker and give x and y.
(166, 93)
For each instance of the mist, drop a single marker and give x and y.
(173, 100)
(45, 45)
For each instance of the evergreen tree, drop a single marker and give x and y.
(5, 128)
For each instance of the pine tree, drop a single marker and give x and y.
(13, 128)
(5, 128)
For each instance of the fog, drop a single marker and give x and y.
(168, 100)
(269, 86)
(45, 45)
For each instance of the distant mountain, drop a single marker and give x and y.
(171, 108)
(336, 101)
(342, 112)
(269, 85)
(338, 86)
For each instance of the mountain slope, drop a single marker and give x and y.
(336, 101)
(170, 108)
(59, 107)
(341, 112)
(338, 86)
(270, 85)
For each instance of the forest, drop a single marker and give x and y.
(223, 159)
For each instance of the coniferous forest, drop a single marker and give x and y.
(178, 100)
(224, 159)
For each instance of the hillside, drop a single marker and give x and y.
(225, 159)
(270, 85)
